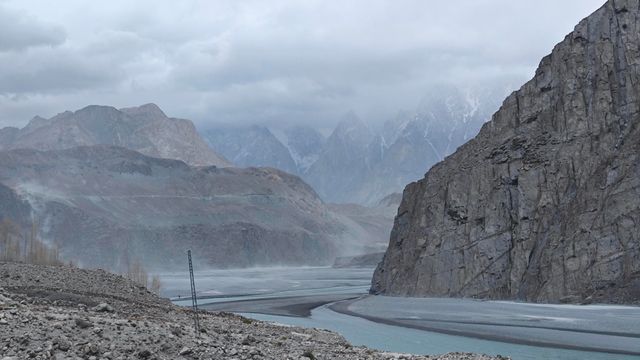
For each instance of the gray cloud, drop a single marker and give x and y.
(253, 61)
(20, 31)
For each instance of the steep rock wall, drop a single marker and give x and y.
(544, 204)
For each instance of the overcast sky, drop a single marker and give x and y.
(265, 61)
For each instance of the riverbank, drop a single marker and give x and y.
(597, 328)
(59, 312)
(296, 306)
(419, 326)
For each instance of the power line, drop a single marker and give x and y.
(194, 299)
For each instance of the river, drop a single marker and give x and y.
(310, 296)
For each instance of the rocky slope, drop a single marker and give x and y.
(68, 313)
(544, 204)
(145, 129)
(107, 206)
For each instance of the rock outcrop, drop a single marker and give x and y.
(544, 204)
(145, 129)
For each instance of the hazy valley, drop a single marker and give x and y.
(363, 181)
(106, 206)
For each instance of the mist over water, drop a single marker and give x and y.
(267, 281)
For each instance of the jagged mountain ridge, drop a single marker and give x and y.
(357, 164)
(251, 146)
(293, 149)
(345, 161)
(544, 204)
(412, 143)
(102, 204)
(145, 129)
(304, 144)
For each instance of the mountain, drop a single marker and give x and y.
(251, 146)
(104, 205)
(344, 162)
(8, 135)
(305, 145)
(357, 164)
(145, 129)
(543, 204)
(447, 118)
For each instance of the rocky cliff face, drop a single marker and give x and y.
(105, 206)
(145, 129)
(544, 204)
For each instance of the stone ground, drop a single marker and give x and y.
(60, 312)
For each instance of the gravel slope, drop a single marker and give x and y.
(49, 312)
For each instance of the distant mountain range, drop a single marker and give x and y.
(145, 129)
(102, 182)
(359, 164)
(85, 180)
(102, 204)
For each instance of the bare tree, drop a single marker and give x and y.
(9, 241)
(29, 248)
(137, 273)
(156, 284)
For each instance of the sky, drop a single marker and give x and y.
(267, 62)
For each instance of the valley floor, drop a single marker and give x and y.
(610, 329)
(336, 299)
(67, 313)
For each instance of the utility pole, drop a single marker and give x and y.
(194, 300)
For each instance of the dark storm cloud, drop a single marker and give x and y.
(266, 61)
